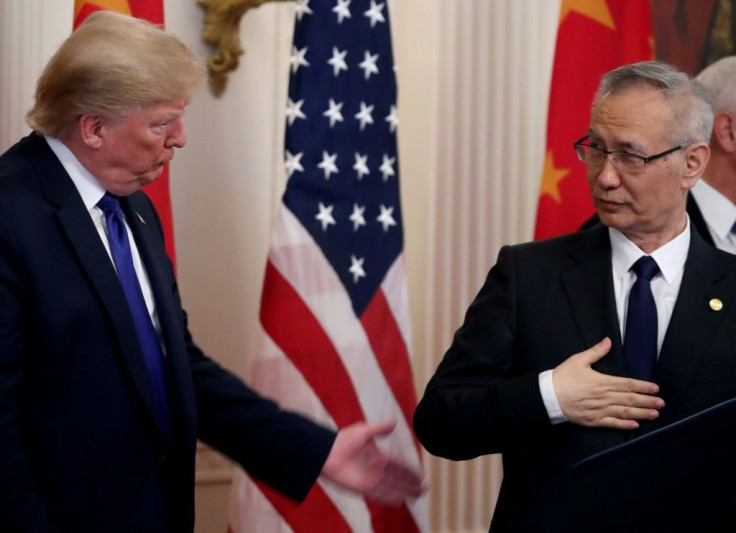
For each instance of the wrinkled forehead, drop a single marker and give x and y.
(639, 117)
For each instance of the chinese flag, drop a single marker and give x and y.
(153, 11)
(594, 37)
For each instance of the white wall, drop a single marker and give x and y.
(473, 83)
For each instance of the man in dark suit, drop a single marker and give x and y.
(103, 391)
(541, 369)
(717, 188)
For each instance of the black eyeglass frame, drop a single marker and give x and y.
(644, 160)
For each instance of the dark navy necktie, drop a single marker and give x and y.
(640, 343)
(153, 356)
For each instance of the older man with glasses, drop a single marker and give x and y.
(580, 343)
(711, 203)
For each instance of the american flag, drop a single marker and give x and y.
(334, 308)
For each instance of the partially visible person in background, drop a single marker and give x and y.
(715, 193)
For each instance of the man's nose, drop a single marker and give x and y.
(177, 138)
(608, 175)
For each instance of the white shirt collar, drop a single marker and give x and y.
(670, 257)
(720, 213)
(89, 188)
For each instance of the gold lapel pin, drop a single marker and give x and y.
(716, 304)
(143, 222)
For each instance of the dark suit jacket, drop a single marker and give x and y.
(541, 303)
(696, 217)
(79, 446)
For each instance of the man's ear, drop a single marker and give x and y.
(696, 157)
(724, 131)
(91, 130)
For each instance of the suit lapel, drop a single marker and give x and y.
(85, 242)
(693, 324)
(589, 287)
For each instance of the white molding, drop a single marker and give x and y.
(30, 32)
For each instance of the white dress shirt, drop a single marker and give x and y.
(665, 286)
(719, 216)
(92, 192)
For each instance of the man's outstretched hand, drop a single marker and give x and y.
(356, 463)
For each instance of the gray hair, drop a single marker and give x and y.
(690, 102)
(112, 65)
(720, 80)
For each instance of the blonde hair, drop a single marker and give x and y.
(109, 66)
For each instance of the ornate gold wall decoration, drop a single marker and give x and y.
(222, 32)
(722, 34)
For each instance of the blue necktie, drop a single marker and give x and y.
(640, 344)
(150, 345)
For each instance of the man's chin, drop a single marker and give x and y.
(610, 220)
(150, 177)
(135, 185)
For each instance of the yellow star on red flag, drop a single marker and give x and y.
(552, 177)
(594, 9)
(121, 6)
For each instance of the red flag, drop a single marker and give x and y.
(152, 11)
(334, 309)
(594, 37)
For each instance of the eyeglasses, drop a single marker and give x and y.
(595, 157)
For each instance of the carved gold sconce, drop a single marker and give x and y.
(222, 32)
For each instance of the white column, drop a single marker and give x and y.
(30, 32)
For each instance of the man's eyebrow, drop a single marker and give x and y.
(622, 146)
(168, 117)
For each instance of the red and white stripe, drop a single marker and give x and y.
(318, 358)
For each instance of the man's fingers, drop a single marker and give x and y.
(632, 413)
(617, 423)
(378, 429)
(616, 400)
(395, 493)
(387, 495)
(404, 478)
(644, 401)
(611, 407)
(642, 387)
(622, 417)
(628, 385)
(398, 483)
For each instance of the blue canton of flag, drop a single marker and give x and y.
(341, 155)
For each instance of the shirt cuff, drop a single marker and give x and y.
(547, 388)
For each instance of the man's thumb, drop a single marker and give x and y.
(596, 352)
